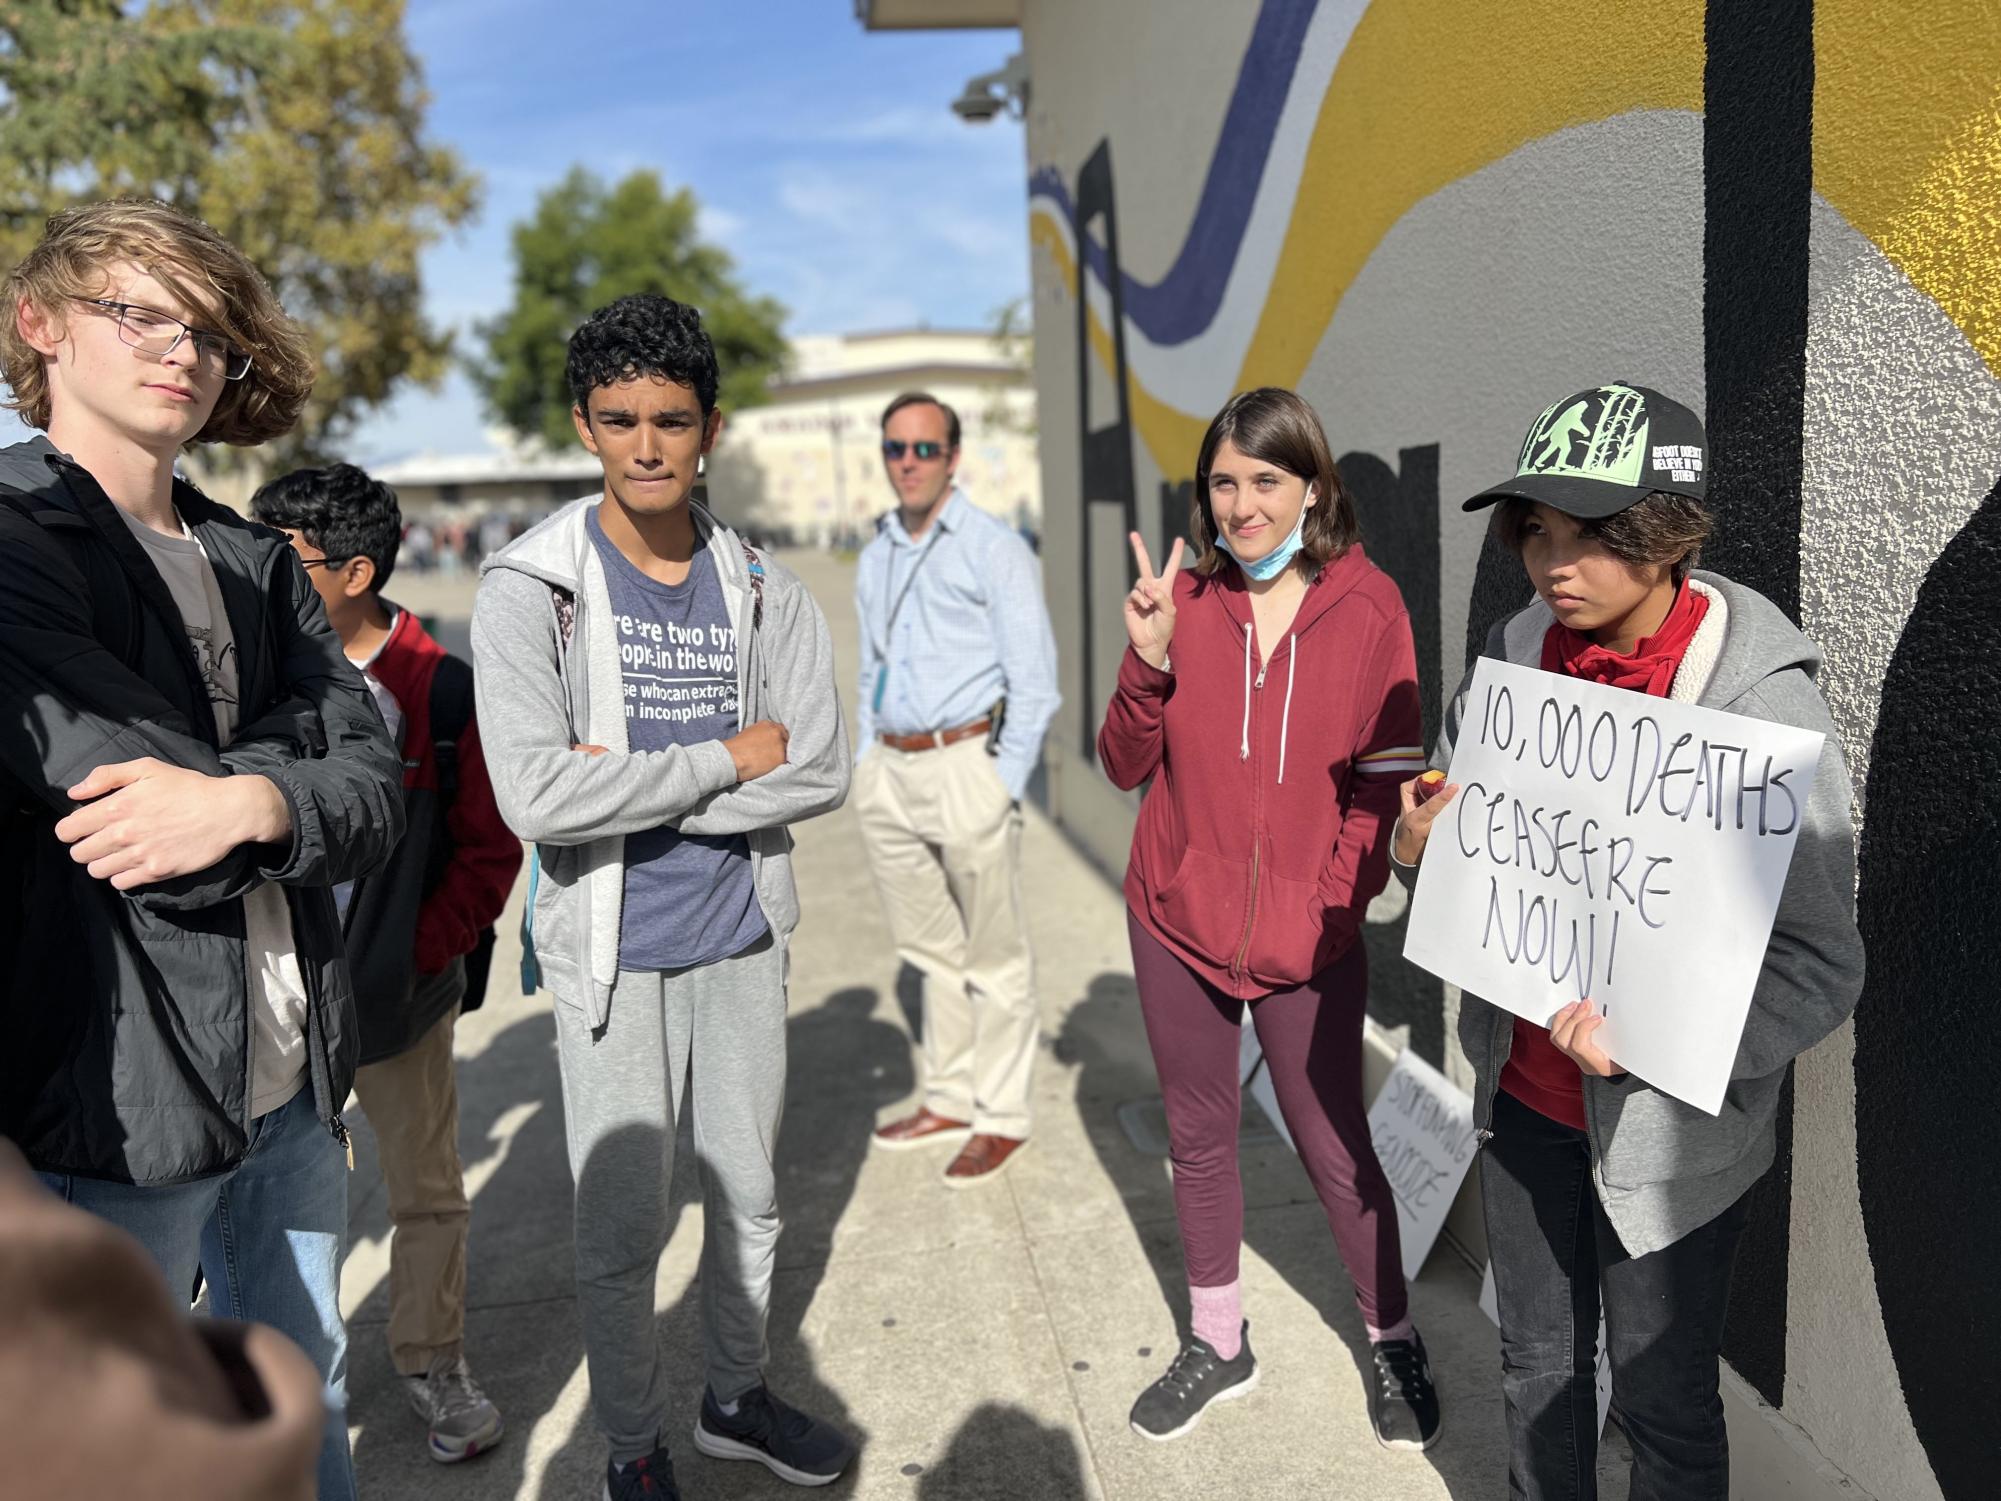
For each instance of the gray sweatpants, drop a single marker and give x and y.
(717, 1032)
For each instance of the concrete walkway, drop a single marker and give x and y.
(978, 1344)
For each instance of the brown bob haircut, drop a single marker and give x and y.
(1277, 427)
(213, 280)
(1662, 529)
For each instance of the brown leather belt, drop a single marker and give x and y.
(937, 739)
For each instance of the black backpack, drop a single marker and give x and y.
(451, 712)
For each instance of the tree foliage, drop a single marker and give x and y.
(295, 127)
(587, 244)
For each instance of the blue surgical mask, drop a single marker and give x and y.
(1273, 563)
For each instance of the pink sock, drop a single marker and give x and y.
(1217, 1314)
(1401, 1329)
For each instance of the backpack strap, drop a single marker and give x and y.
(451, 704)
(756, 566)
(566, 613)
(451, 712)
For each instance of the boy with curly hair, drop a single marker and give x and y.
(657, 700)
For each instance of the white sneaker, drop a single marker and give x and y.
(463, 1422)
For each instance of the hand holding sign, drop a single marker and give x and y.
(1571, 1028)
(1150, 606)
(1424, 798)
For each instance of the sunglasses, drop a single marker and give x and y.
(894, 449)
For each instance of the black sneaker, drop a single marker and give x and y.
(1175, 1403)
(1404, 1403)
(783, 1439)
(648, 1479)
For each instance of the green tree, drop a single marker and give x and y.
(295, 127)
(587, 244)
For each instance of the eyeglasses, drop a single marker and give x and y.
(894, 449)
(324, 562)
(156, 333)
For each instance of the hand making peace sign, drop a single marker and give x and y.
(1150, 606)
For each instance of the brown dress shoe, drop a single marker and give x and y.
(925, 1128)
(981, 1160)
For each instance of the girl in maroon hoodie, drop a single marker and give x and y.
(1270, 696)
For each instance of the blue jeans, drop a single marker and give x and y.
(268, 1236)
(1553, 1251)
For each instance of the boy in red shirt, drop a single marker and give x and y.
(414, 932)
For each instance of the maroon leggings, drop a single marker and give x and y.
(1312, 1039)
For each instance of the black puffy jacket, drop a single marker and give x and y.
(125, 1016)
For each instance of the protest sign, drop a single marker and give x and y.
(1616, 848)
(1421, 1126)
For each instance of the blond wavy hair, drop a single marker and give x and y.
(213, 280)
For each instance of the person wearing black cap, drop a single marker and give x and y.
(1595, 1184)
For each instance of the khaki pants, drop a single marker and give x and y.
(412, 1101)
(944, 838)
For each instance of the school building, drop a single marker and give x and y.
(1432, 218)
(806, 467)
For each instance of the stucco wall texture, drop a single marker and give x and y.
(1432, 219)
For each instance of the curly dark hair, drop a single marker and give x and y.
(343, 511)
(1662, 528)
(642, 334)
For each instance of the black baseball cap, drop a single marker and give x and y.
(1594, 454)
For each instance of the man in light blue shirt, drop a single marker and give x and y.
(958, 686)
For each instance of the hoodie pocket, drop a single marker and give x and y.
(1287, 931)
(1647, 1137)
(553, 923)
(1204, 902)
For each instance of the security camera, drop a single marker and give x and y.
(977, 105)
(988, 94)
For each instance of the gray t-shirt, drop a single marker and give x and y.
(277, 989)
(688, 898)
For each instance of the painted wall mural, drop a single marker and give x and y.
(1790, 215)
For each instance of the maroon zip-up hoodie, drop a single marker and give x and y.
(1266, 831)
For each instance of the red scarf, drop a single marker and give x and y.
(1649, 668)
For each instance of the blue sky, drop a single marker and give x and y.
(826, 159)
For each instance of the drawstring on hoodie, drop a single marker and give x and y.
(1244, 740)
(1285, 719)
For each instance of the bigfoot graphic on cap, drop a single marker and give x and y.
(1600, 451)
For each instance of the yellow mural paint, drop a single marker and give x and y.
(1171, 435)
(1423, 96)
(1907, 145)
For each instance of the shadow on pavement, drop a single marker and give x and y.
(1110, 1074)
(523, 1339)
(842, 1067)
(509, 1101)
(1001, 1453)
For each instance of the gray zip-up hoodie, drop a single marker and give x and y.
(1662, 1167)
(538, 697)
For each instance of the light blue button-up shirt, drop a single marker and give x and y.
(972, 627)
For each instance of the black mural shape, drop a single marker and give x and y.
(1757, 162)
(1398, 511)
(1926, 1046)
(1106, 452)
(1177, 516)
(1500, 588)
